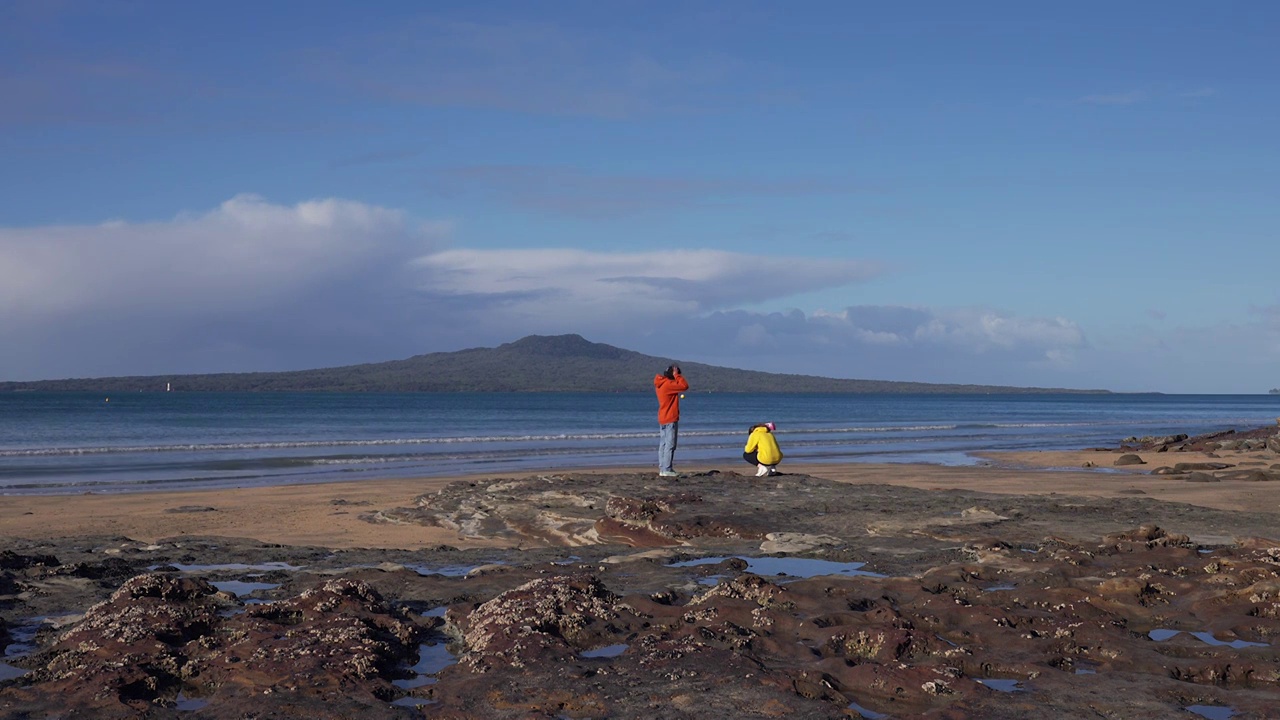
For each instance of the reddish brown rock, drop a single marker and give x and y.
(332, 650)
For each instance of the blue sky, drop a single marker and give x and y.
(1061, 195)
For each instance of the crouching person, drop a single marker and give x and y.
(762, 449)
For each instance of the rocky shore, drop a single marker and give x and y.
(624, 595)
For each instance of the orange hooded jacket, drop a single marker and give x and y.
(668, 390)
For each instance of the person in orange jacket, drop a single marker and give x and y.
(668, 385)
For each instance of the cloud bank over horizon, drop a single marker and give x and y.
(253, 285)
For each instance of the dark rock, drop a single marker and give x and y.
(1130, 459)
(191, 509)
(116, 569)
(1186, 467)
(10, 560)
(1202, 477)
(333, 649)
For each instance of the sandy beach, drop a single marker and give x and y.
(330, 514)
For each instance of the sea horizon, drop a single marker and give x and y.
(57, 443)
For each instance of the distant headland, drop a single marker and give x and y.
(537, 363)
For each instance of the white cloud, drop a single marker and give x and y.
(964, 345)
(545, 288)
(241, 255)
(253, 285)
(248, 274)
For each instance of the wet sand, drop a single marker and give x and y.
(329, 514)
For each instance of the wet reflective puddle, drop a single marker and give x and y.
(412, 702)
(867, 714)
(241, 587)
(607, 651)
(1007, 686)
(1212, 712)
(432, 658)
(791, 568)
(1163, 634)
(189, 704)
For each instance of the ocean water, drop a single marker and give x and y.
(76, 442)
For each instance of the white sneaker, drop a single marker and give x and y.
(764, 470)
(668, 473)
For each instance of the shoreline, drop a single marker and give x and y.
(329, 514)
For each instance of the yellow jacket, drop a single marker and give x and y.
(765, 446)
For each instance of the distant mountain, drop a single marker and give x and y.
(536, 363)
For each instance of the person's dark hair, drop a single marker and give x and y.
(670, 372)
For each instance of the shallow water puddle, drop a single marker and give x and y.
(436, 612)
(1213, 712)
(23, 637)
(867, 714)
(1162, 634)
(23, 634)
(607, 651)
(412, 702)
(9, 672)
(952, 644)
(240, 587)
(995, 588)
(432, 658)
(1007, 686)
(793, 568)
(187, 704)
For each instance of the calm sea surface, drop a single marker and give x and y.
(70, 442)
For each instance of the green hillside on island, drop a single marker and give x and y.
(538, 363)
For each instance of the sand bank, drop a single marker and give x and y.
(329, 514)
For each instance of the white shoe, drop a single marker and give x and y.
(668, 473)
(764, 470)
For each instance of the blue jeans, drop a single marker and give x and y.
(667, 435)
